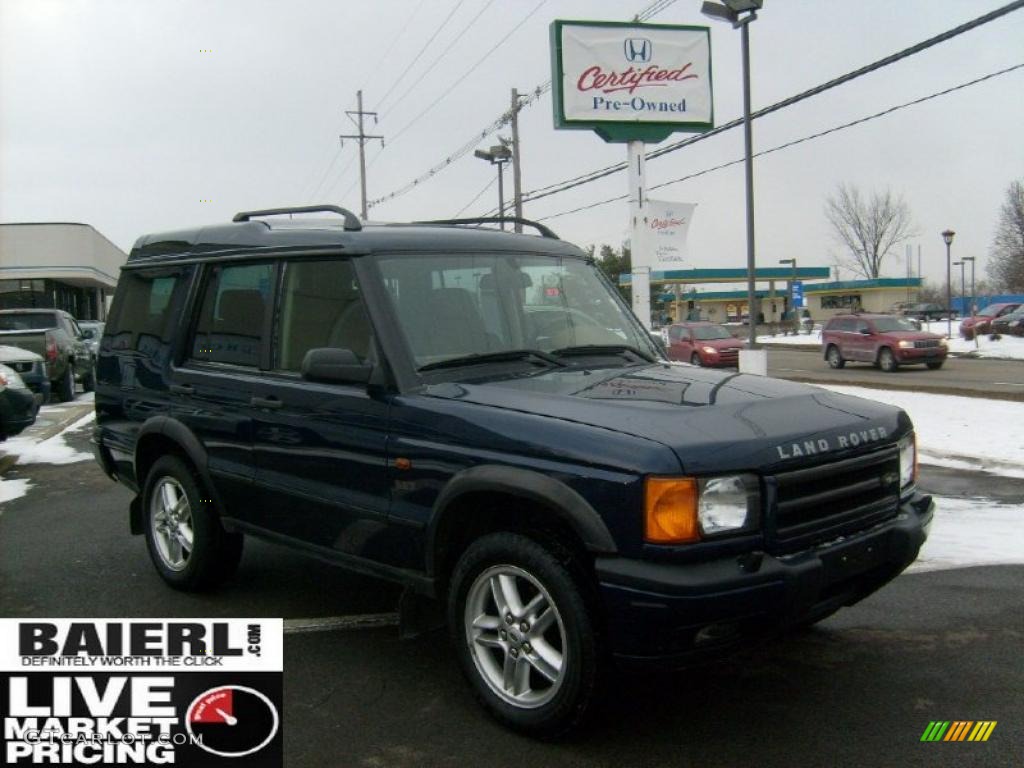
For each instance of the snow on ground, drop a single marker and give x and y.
(959, 432)
(1005, 348)
(54, 450)
(13, 489)
(967, 532)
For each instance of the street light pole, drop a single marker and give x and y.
(731, 10)
(974, 300)
(963, 289)
(791, 295)
(947, 237)
(498, 155)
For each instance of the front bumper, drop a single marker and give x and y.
(669, 612)
(926, 355)
(18, 409)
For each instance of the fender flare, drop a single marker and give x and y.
(567, 504)
(185, 439)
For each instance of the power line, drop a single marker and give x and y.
(586, 178)
(394, 41)
(477, 196)
(794, 142)
(327, 170)
(448, 49)
(421, 52)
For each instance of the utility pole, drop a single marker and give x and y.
(517, 177)
(361, 137)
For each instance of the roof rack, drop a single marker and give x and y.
(544, 231)
(352, 222)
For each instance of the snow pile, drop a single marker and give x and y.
(967, 532)
(960, 432)
(13, 489)
(54, 450)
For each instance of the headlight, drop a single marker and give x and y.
(10, 378)
(679, 510)
(710, 350)
(905, 344)
(943, 343)
(908, 460)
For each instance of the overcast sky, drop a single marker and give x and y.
(145, 115)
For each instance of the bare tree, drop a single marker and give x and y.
(1006, 255)
(869, 228)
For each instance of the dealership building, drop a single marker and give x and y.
(58, 265)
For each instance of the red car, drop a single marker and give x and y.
(884, 340)
(704, 344)
(982, 322)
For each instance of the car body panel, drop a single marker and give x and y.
(859, 339)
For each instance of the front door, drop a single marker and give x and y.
(321, 469)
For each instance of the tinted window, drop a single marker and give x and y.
(321, 306)
(885, 324)
(145, 309)
(28, 321)
(710, 332)
(233, 314)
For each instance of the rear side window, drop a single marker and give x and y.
(146, 308)
(233, 316)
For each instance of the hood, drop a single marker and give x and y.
(720, 343)
(912, 335)
(713, 421)
(9, 354)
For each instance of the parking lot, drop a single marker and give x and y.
(859, 689)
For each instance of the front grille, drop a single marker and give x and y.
(926, 343)
(21, 367)
(821, 503)
(728, 354)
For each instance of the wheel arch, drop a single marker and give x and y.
(546, 503)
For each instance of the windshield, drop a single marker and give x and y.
(710, 332)
(990, 310)
(28, 321)
(884, 324)
(456, 306)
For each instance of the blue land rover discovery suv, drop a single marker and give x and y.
(477, 415)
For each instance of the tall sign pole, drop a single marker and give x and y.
(517, 171)
(362, 138)
(634, 84)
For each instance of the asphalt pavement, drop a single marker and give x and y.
(977, 377)
(857, 690)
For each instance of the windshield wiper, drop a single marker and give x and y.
(602, 349)
(477, 358)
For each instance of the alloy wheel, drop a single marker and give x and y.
(171, 521)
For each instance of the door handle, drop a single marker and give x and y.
(182, 389)
(265, 402)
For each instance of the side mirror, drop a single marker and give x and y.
(335, 366)
(866, 331)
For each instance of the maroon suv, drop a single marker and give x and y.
(704, 344)
(884, 340)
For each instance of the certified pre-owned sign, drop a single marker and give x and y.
(631, 81)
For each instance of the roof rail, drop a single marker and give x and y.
(544, 231)
(352, 222)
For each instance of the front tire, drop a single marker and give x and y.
(524, 634)
(695, 360)
(89, 380)
(65, 387)
(835, 359)
(188, 545)
(936, 365)
(887, 360)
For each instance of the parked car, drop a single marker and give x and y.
(18, 405)
(981, 323)
(928, 312)
(1011, 323)
(380, 397)
(883, 340)
(55, 335)
(30, 367)
(704, 344)
(92, 332)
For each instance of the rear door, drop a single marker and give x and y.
(227, 351)
(321, 467)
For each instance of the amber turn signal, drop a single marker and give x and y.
(670, 510)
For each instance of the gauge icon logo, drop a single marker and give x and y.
(232, 721)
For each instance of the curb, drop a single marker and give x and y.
(64, 417)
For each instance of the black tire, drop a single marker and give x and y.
(834, 357)
(89, 380)
(581, 662)
(695, 360)
(936, 365)
(215, 553)
(887, 360)
(65, 386)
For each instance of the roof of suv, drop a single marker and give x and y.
(348, 234)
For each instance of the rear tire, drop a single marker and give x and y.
(65, 387)
(834, 358)
(524, 634)
(695, 360)
(936, 365)
(89, 380)
(887, 360)
(189, 547)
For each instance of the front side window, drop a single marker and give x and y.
(232, 318)
(454, 306)
(710, 333)
(321, 306)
